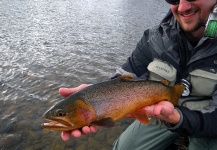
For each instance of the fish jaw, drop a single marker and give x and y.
(55, 126)
(58, 124)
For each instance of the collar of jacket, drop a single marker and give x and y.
(169, 21)
(172, 28)
(206, 47)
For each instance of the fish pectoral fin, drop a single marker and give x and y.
(141, 116)
(105, 122)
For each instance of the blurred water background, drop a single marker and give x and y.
(48, 44)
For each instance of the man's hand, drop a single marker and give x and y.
(75, 133)
(65, 135)
(163, 110)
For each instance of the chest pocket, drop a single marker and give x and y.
(204, 81)
(160, 70)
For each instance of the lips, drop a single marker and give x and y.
(188, 15)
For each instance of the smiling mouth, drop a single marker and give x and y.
(188, 14)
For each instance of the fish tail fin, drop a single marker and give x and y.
(177, 92)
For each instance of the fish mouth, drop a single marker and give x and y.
(57, 124)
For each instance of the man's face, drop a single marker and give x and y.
(192, 15)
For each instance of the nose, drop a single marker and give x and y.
(184, 5)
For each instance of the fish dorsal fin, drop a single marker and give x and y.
(165, 82)
(105, 122)
(126, 76)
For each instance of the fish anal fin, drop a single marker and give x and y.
(165, 82)
(141, 116)
(105, 122)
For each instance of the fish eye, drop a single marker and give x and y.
(60, 113)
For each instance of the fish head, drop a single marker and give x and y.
(65, 116)
(58, 119)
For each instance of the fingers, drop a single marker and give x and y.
(159, 110)
(85, 130)
(93, 128)
(150, 111)
(164, 108)
(68, 91)
(89, 129)
(65, 135)
(76, 133)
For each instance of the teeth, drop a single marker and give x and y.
(187, 15)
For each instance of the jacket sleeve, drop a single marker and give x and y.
(198, 123)
(140, 58)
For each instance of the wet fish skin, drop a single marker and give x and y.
(106, 102)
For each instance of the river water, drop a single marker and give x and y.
(48, 44)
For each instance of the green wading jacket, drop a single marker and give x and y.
(165, 53)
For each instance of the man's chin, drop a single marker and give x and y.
(192, 28)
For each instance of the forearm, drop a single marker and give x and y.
(195, 123)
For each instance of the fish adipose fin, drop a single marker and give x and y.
(141, 116)
(105, 122)
(165, 82)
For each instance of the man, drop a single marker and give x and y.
(175, 50)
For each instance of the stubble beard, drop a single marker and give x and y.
(196, 27)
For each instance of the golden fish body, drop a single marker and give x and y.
(106, 102)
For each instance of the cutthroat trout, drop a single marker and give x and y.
(103, 103)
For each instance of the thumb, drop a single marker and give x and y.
(164, 108)
(68, 91)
